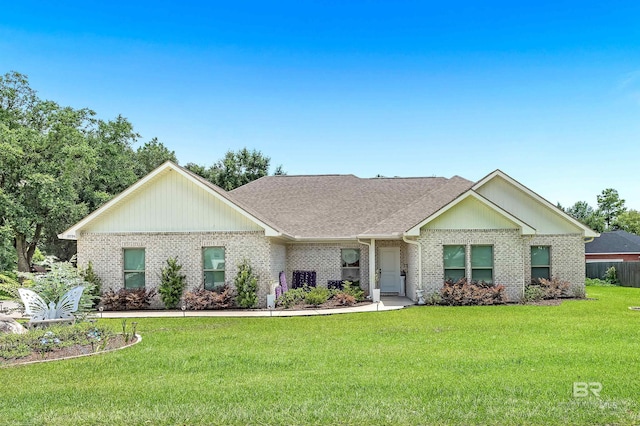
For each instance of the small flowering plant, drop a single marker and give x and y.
(48, 342)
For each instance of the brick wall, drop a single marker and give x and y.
(512, 258)
(567, 257)
(105, 251)
(324, 258)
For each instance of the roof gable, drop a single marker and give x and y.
(471, 207)
(170, 199)
(530, 207)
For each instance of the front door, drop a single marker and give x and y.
(389, 269)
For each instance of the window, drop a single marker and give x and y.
(134, 268)
(350, 264)
(540, 262)
(213, 267)
(454, 262)
(482, 264)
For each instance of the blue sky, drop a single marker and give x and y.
(547, 92)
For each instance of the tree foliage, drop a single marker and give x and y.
(629, 221)
(582, 211)
(236, 169)
(246, 286)
(56, 164)
(610, 205)
(151, 155)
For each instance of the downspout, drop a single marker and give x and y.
(420, 290)
(372, 264)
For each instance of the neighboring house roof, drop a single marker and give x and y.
(615, 242)
(345, 206)
(325, 207)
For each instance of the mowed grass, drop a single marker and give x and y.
(422, 365)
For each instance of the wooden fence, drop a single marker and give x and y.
(628, 272)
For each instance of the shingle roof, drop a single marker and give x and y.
(343, 206)
(614, 242)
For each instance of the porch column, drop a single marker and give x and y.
(372, 266)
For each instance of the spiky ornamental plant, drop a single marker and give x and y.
(172, 283)
(246, 286)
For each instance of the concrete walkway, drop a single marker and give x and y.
(388, 303)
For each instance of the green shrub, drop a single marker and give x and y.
(246, 286)
(293, 297)
(533, 293)
(463, 293)
(90, 276)
(433, 299)
(611, 276)
(172, 283)
(317, 296)
(597, 282)
(8, 286)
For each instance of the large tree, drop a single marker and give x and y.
(610, 205)
(587, 215)
(629, 221)
(236, 169)
(44, 160)
(151, 155)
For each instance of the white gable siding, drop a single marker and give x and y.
(526, 208)
(471, 214)
(171, 203)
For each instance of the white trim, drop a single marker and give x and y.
(603, 260)
(525, 229)
(71, 233)
(617, 253)
(588, 232)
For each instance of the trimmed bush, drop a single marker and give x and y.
(317, 296)
(172, 283)
(246, 286)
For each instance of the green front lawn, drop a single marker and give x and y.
(423, 365)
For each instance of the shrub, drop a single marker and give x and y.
(127, 299)
(8, 286)
(533, 293)
(90, 276)
(462, 293)
(344, 299)
(246, 286)
(317, 296)
(171, 283)
(206, 299)
(293, 297)
(611, 276)
(555, 288)
(597, 282)
(353, 290)
(433, 299)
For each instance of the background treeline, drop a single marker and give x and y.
(58, 163)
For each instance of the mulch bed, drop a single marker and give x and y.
(115, 342)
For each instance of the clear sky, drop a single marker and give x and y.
(548, 92)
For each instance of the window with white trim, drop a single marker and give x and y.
(350, 265)
(454, 262)
(540, 262)
(213, 267)
(482, 263)
(134, 261)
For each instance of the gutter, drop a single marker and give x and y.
(420, 290)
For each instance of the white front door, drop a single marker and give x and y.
(389, 269)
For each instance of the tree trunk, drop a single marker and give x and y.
(24, 261)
